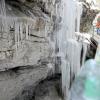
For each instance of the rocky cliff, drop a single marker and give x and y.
(29, 59)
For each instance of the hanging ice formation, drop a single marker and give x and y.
(78, 15)
(2, 7)
(20, 26)
(2, 14)
(69, 49)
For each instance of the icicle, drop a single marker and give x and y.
(26, 27)
(21, 31)
(2, 8)
(53, 2)
(45, 30)
(3, 15)
(56, 9)
(30, 28)
(18, 35)
(65, 76)
(78, 15)
(29, 31)
(16, 31)
(84, 53)
(51, 15)
(0, 24)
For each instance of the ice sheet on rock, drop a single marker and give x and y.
(69, 49)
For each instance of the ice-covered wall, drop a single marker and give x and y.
(25, 35)
(37, 33)
(69, 48)
(26, 53)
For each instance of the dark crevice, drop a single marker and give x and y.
(50, 80)
(30, 92)
(36, 36)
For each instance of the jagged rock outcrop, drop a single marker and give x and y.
(87, 18)
(14, 82)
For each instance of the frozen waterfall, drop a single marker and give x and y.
(69, 48)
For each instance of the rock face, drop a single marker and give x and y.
(87, 18)
(28, 58)
(13, 82)
(23, 65)
(31, 50)
(48, 89)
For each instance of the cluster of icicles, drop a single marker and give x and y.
(21, 27)
(69, 49)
